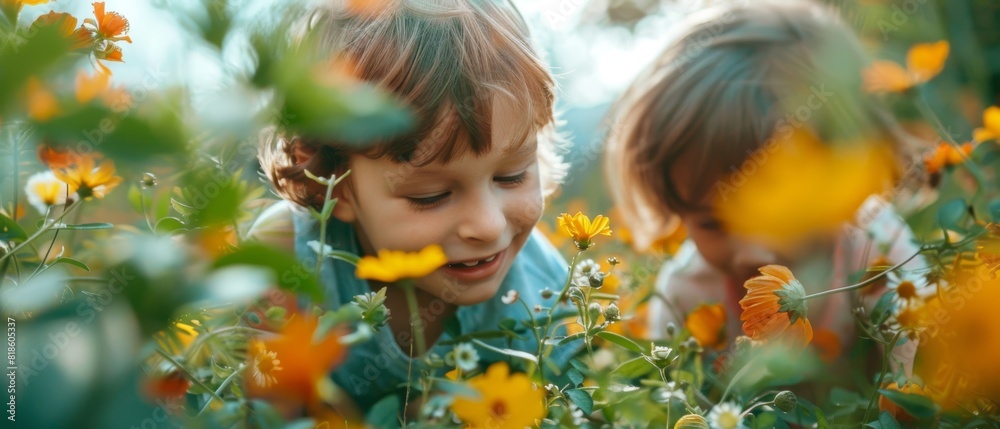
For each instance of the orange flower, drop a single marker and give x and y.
(885, 404)
(88, 180)
(946, 155)
(168, 386)
(79, 37)
(41, 103)
(55, 158)
(293, 365)
(707, 324)
(988, 247)
(89, 87)
(669, 243)
(774, 307)
(991, 125)
(924, 61)
(109, 27)
(827, 344)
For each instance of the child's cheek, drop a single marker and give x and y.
(527, 209)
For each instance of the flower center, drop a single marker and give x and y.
(907, 290)
(498, 409)
(728, 420)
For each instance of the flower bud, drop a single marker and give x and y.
(596, 280)
(547, 293)
(612, 313)
(148, 180)
(595, 310)
(691, 421)
(613, 261)
(671, 330)
(786, 401)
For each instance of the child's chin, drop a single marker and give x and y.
(476, 294)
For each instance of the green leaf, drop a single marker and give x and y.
(918, 406)
(582, 400)
(168, 225)
(885, 421)
(383, 414)
(512, 353)
(575, 376)
(291, 275)
(995, 210)
(883, 308)
(952, 215)
(765, 420)
(10, 230)
(621, 341)
(87, 226)
(70, 261)
(571, 338)
(634, 368)
(821, 422)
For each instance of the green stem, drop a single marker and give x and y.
(416, 323)
(188, 374)
(869, 281)
(218, 392)
(45, 228)
(885, 364)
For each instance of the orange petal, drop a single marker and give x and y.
(90, 86)
(886, 76)
(926, 60)
(41, 103)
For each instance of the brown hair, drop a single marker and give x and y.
(450, 62)
(735, 76)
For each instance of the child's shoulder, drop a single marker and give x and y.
(540, 259)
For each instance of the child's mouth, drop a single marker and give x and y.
(475, 269)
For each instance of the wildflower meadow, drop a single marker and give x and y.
(135, 296)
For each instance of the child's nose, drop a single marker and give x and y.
(483, 221)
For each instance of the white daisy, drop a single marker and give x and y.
(45, 190)
(581, 275)
(466, 357)
(726, 415)
(510, 297)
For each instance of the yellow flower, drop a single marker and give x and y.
(774, 307)
(582, 230)
(89, 181)
(803, 187)
(292, 366)
(505, 400)
(707, 324)
(391, 265)
(991, 125)
(924, 61)
(41, 103)
(79, 37)
(45, 190)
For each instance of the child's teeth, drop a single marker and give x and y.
(470, 264)
(490, 258)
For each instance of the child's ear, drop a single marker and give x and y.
(301, 152)
(345, 210)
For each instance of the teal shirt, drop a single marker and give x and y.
(378, 367)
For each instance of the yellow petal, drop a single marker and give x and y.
(926, 60)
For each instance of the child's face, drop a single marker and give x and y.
(480, 209)
(738, 257)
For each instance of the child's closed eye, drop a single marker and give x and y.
(512, 180)
(429, 202)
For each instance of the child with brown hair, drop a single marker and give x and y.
(471, 177)
(738, 77)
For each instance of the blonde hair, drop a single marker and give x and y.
(450, 62)
(734, 76)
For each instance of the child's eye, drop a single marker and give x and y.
(512, 180)
(424, 203)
